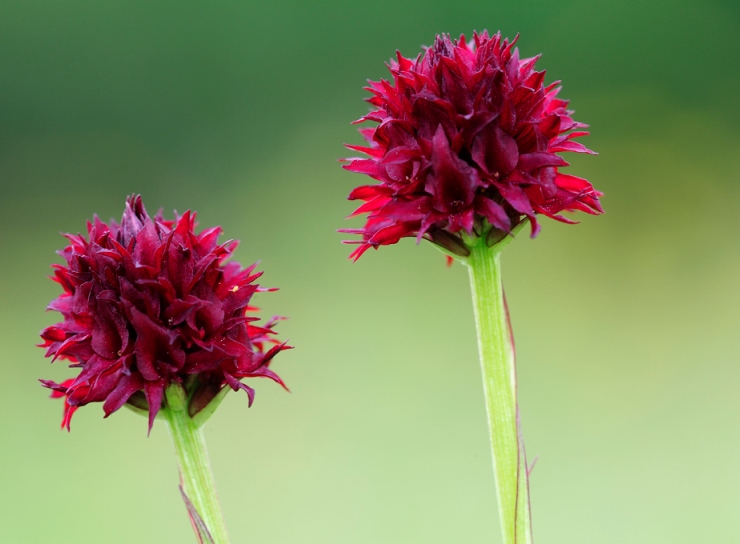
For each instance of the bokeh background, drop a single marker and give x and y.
(626, 325)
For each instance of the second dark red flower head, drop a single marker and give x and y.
(148, 303)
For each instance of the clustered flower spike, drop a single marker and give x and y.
(150, 303)
(466, 143)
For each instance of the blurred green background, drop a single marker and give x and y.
(626, 325)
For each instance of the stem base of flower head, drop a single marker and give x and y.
(459, 250)
(177, 397)
(201, 402)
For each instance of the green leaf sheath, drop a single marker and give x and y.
(496, 347)
(195, 473)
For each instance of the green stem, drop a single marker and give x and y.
(495, 344)
(195, 473)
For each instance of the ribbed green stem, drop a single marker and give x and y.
(495, 344)
(195, 471)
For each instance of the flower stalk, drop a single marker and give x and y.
(496, 347)
(195, 473)
(466, 152)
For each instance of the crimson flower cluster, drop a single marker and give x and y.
(148, 303)
(466, 142)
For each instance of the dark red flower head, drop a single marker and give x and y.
(466, 143)
(150, 303)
